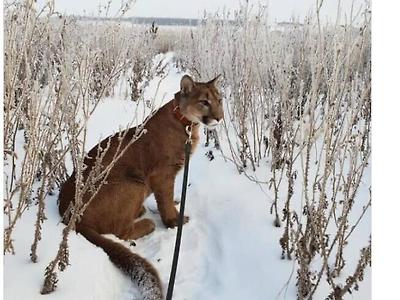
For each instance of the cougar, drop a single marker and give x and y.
(148, 166)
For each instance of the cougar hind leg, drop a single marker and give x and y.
(137, 230)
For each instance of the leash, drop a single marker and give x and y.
(188, 146)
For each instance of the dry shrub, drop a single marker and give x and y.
(57, 69)
(297, 98)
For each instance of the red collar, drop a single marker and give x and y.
(178, 115)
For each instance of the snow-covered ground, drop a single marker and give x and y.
(230, 249)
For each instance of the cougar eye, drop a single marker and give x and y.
(205, 102)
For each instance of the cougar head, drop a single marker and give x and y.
(200, 102)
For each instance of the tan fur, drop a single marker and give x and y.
(150, 165)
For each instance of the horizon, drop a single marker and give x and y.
(277, 10)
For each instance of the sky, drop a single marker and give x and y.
(279, 10)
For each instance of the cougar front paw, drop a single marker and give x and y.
(171, 223)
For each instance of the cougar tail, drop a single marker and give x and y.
(141, 272)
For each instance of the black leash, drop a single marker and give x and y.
(188, 146)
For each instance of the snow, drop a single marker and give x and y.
(230, 249)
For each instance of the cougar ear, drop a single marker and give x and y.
(187, 84)
(213, 81)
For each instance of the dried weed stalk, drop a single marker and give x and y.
(57, 70)
(298, 97)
